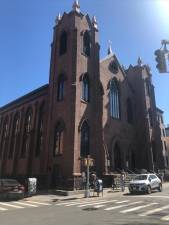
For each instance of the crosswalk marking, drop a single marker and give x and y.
(10, 205)
(138, 207)
(66, 203)
(39, 203)
(105, 204)
(3, 209)
(96, 203)
(98, 206)
(117, 205)
(122, 202)
(151, 196)
(121, 206)
(76, 202)
(165, 218)
(154, 211)
(21, 204)
(79, 203)
(26, 204)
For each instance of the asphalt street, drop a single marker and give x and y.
(110, 210)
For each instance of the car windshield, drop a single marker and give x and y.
(141, 177)
(10, 182)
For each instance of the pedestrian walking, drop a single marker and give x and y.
(122, 180)
(113, 182)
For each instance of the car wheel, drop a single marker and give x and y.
(160, 188)
(148, 190)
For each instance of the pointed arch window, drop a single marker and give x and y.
(4, 136)
(114, 97)
(27, 133)
(63, 43)
(58, 138)
(150, 117)
(40, 131)
(60, 87)
(0, 124)
(6, 129)
(86, 43)
(85, 88)
(129, 111)
(85, 142)
(148, 87)
(15, 131)
(153, 146)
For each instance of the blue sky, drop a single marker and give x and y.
(135, 27)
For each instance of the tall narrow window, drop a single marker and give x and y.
(4, 136)
(84, 148)
(27, 133)
(165, 146)
(162, 119)
(0, 123)
(60, 88)
(85, 88)
(15, 130)
(114, 99)
(40, 131)
(150, 117)
(1, 129)
(58, 139)
(154, 151)
(63, 43)
(129, 111)
(148, 88)
(86, 43)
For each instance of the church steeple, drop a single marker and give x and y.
(76, 6)
(139, 62)
(94, 22)
(58, 18)
(110, 49)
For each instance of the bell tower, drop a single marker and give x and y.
(75, 101)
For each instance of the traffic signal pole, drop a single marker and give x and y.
(87, 191)
(87, 162)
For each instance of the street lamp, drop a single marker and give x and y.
(87, 162)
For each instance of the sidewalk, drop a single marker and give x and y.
(54, 198)
(108, 192)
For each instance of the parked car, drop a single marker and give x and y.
(11, 189)
(145, 183)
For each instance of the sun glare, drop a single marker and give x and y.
(163, 7)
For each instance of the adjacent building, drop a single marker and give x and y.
(167, 143)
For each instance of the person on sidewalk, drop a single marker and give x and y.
(113, 182)
(122, 180)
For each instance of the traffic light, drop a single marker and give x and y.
(161, 61)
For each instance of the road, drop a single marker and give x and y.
(109, 210)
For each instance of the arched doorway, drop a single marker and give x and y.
(117, 157)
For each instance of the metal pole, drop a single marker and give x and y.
(87, 192)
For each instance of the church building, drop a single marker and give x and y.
(90, 106)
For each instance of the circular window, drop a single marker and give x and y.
(113, 67)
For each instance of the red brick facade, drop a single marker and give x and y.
(47, 139)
